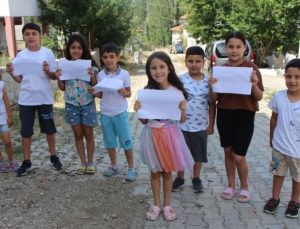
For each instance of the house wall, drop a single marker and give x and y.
(15, 8)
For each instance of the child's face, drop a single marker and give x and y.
(235, 49)
(76, 50)
(110, 60)
(292, 79)
(194, 64)
(32, 39)
(159, 71)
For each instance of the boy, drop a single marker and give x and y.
(200, 115)
(285, 140)
(114, 116)
(6, 121)
(36, 95)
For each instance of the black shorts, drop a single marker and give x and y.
(45, 115)
(235, 129)
(197, 143)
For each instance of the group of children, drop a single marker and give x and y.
(166, 145)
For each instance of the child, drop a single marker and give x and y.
(6, 121)
(235, 119)
(200, 115)
(285, 140)
(80, 109)
(163, 147)
(114, 116)
(36, 96)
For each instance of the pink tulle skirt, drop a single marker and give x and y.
(163, 147)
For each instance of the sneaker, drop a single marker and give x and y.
(13, 165)
(81, 170)
(90, 170)
(130, 175)
(110, 171)
(4, 167)
(292, 210)
(271, 206)
(197, 184)
(177, 183)
(22, 170)
(56, 162)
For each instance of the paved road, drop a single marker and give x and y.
(205, 210)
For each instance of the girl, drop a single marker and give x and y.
(163, 147)
(80, 110)
(235, 119)
(6, 121)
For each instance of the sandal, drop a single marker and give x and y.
(228, 193)
(153, 213)
(169, 213)
(244, 196)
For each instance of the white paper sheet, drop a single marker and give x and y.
(235, 80)
(77, 69)
(27, 66)
(159, 104)
(109, 84)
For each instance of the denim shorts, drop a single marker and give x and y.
(4, 128)
(77, 115)
(45, 115)
(116, 127)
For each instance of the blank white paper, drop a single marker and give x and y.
(74, 69)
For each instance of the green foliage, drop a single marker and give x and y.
(100, 21)
(49, 42)
(269, 25)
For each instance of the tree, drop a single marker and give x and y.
(269, 25)
(100, 21)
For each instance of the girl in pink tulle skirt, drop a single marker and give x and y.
(163, 146)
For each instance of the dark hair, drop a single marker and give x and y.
(32, 26)
(237, 35)
(294, 63)
(110, 47)
(86, 54)
(194, 50)
(172, 77)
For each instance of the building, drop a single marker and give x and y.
(11, 21)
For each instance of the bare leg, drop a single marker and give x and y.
(8, 146)
(129, 157)
(155, 185)
(197, 169)
(90, 143)
(230, 167)
(167, 186)
(51, 143)
(242, 168)
(112, 156)
(26, 143)
(78, 135)
(295, 191)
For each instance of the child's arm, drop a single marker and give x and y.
(256, 93)
(125, 92)
(9, 70)
(93, 79)
(46, 68)
(182, 107)
(8, 108)
(136, 107)
(91, 90)
(60, 83)
(212, 116)
(273, 122)
(212, 95)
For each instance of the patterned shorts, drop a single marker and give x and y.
(281, 163)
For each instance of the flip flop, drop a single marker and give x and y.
(244, 196)
(228, 193)
(153, 213)
(169, 213)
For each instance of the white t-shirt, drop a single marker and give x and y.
(197, 115)
(37, 90)
(3, 113)
(112, 103)
(286, 137)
